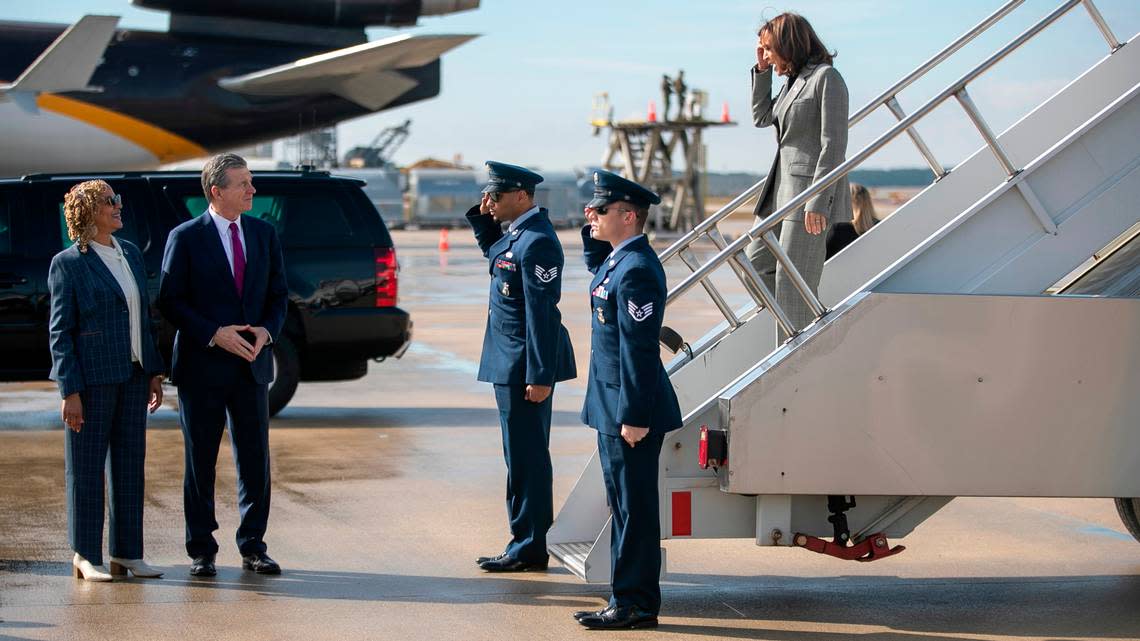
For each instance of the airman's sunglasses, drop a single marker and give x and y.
(496, 195)
(114, 201)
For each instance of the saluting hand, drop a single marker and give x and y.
(227, 338)
(633, 435)
(815, 223)
(485, 204)
(537, 393)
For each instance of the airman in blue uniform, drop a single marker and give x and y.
(526, 350)
(629, 399)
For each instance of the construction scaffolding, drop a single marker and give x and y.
(645, 150)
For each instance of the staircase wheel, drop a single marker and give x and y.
(1129, 510)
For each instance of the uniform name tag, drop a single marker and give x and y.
(505, 264)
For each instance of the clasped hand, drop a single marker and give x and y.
(228, 338)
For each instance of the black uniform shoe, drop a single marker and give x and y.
(260, 563)
(507, 564)
(483, 559)
(580, 614)
(620, 618)
(203, 566)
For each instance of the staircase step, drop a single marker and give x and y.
(572, 555)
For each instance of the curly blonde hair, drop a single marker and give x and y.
(80, 205)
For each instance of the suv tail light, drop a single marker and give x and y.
(387, 281)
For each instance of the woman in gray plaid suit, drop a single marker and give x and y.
(810, 119)
(109, 373)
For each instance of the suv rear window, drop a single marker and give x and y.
(305, 216)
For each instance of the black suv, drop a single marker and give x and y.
(339, 262)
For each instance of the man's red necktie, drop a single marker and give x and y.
(239, 258)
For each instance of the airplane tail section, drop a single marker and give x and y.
(67, 65)
(367, 74)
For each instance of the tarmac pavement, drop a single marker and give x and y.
(388, 487)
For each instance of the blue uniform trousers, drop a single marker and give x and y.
(630, 475)
(114, 419)
(204, 409)
(526, 450)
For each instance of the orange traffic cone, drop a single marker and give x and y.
(652, 115)
(443, 244)
(724, 113)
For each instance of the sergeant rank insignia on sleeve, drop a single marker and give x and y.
(546, 275)
(640, 313)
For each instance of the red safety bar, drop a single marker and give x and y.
(872, 548)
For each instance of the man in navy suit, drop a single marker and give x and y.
(629, 399)
(526, 350)
(223, 288)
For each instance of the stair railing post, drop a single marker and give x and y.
(935, 166)
(1105, 30)
(984, 129)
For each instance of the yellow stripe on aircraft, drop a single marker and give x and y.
(166, 146)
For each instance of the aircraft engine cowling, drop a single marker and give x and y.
(320, 13)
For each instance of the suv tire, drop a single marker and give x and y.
(286, 374)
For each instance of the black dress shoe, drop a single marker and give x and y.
(507, 564)
(203, 565)
(483, 559)
(580, 614)
(620, 618)
(260, 563)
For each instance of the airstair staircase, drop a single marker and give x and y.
(945, 360)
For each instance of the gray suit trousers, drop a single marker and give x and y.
(807, 253)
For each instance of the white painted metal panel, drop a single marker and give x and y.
(949, 395)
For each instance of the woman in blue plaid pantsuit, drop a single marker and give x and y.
(109, 373)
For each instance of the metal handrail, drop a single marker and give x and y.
(934, 61)
(883, 99)
(769, 224)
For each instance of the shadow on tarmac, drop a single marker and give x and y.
(307, 417)
(733, 606)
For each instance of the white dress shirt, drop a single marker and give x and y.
(117, 264)
(223, 226)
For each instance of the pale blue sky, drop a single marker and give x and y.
(522, 91)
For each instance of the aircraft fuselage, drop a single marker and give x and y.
(160, 101)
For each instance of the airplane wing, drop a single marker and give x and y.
(67, 64)
(367, 74)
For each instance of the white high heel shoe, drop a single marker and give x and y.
(138, 567)
(84, 570)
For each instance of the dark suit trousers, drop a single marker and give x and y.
(203, 411)
(630, 475)
(526, 450)
(114, 420)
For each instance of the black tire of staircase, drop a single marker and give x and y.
(1129, 510)
(287, 370)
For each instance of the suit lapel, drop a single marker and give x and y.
(613, 261)
(217, 253)
(139, 272)
(252, 255)
(505, 243)
(788, 96)
(95, 264)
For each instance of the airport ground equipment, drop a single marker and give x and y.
(379, 152)
(940, 365)
(645, 150)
